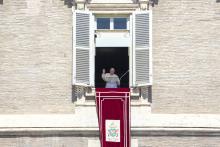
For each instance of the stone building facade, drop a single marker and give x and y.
(42, 107)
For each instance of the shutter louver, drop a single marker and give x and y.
(82, 47)
(142, 48)
(82, 30)
(82, 66)
(142, 30)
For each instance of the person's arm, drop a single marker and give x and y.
(103, 75)
(118, 81)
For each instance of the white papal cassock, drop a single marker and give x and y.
(112, 81)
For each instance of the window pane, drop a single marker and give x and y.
(103, 23)
(120, 23)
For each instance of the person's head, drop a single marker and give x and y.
(112, 71)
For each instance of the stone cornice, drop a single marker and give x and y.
(80, 4)
(79, 120)
(112, 7)
(73, 124)
(80, 1)
(86, 132)
(83, 4)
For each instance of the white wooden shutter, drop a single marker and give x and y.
(142, 46)
(83, 52)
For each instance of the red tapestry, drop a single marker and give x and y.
(113, 109)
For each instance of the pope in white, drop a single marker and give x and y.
(111, 79)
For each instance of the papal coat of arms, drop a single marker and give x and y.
(112, 130)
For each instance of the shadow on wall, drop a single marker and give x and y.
(156, 2)
(135, 1)
(1, 2)
(217, 1)
(68, 3)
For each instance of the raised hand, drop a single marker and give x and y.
(103, 71)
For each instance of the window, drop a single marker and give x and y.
(103, 23)
(107, 57)
(120, 23)
(116, 23)
(138, 54)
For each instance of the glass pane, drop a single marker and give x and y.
(103, 23)
(120, 23)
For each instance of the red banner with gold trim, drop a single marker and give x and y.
(113, 109)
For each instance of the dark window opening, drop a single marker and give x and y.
(120, 23)
(107, 57)
(103, 23)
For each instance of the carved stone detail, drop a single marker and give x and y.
(144, 4)
(80, 4)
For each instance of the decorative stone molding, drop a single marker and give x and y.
(85, 96)
(144, 4)
(119, 7)
(145, 92)
(80, 4)
(78, 92)
(141, 125)
(112, 7)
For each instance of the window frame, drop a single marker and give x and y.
(112, 22)
(119, 18)
(103, 18)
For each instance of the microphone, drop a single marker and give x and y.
(123, 74)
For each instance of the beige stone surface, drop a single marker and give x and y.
(36, 74)
(43, 141)
(35, 57)
(96, 143)
(178, 141)
(73, 141)
(88, 120)
(186, 71)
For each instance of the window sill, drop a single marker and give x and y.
(89, 100)
(118, 30)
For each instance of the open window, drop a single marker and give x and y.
(83, 52)
(107, 57)
(142, 48)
